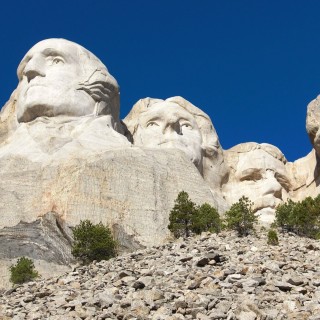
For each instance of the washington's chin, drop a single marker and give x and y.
(30, 112)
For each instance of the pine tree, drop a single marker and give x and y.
(93, 242)
(182, 215)
(23, 271)
(240, 217)
(206, 219)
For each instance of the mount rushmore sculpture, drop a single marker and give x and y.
(66, 156)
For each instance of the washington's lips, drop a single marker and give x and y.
(32, 86)
(35, 85)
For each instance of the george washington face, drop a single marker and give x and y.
(49, 75)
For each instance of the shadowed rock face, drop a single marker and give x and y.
(258, 172)
(47, 238)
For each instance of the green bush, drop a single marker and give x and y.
(23, 271)
(93, 242)
(182, 215)
(302, 218)
(273, 237)
(206, 218)
(240, 217)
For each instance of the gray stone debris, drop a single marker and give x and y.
(206, 277)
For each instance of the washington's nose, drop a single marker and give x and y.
(34, 68)
(272, 186)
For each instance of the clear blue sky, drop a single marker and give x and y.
(252, 65)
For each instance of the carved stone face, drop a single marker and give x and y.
(49, 75)
(167, 125)
(263, 179)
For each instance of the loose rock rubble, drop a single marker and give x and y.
(206, 277)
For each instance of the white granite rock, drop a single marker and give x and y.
(313, 123)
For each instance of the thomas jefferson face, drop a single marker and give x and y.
(167, 125)
(49, 75)
(263, 179)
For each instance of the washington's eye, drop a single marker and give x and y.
(152, 124)
(55, 60)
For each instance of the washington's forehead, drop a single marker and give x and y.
(52, 45)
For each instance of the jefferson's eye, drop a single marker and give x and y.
(152, 124)
(186, 125)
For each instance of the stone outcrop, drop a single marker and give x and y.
(207, 277)
(304, 175)
(313, 123)
(305, 172)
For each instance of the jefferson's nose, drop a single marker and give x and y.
(34, 67)
(171, 126)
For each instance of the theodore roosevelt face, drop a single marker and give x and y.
(168, 125)
(49, 75)
(263, 179)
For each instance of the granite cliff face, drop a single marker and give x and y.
(65, 156)
(131, 190)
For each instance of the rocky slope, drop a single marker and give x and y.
(206, 277)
